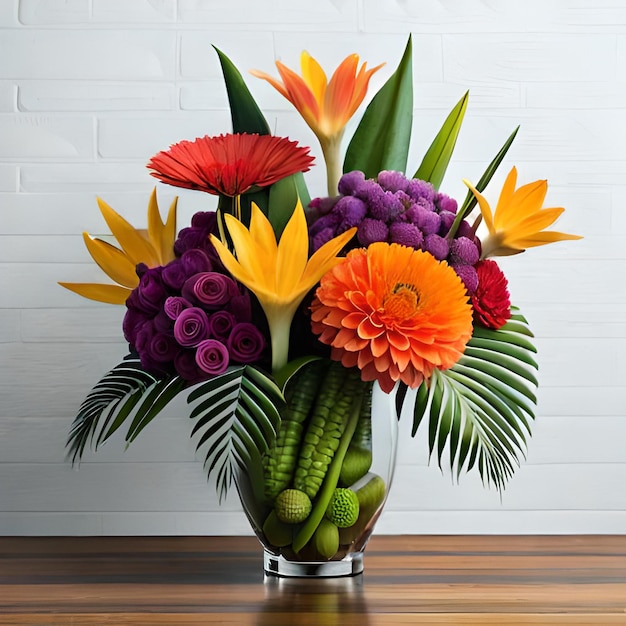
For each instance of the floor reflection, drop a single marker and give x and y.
(320, 601)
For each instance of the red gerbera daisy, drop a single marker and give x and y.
(229, 165)
(491, 302)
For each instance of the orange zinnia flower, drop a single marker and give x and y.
(230, 165)
(395, 312)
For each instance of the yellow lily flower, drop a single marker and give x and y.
(154, 247)
(325, 106)
(279, 274)
(519, 219)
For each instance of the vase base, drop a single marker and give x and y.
(277, 565)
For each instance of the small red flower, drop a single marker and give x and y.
(229, 165)
(491, 302)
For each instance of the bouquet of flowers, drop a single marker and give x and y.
(278, 313)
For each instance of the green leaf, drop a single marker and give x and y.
(481, 408)
(283, 198)
(244, 111)
(470, 199)
(435, 162)
(381, 140)
(288, 371)
(237, 415)
(112, 398)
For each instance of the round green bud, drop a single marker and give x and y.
(292, 506)
(343, 509)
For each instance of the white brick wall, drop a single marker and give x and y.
(90, 89)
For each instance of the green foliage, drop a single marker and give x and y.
(237, 415)
(381, 140)
(481, 409)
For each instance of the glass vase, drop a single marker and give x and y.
(316, 518)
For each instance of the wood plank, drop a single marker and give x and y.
(503, 580)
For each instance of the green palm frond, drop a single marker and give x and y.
(126, 390)
(481, 409)
(238, 414)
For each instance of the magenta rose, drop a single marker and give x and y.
(221, 324)
(162, 348)
(191, 327)
(212, 356)
(195, 261)
(174, 275)
(212, 289)
(175, 305)
(245, 343)
(186, 366)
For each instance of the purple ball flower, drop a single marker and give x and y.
(351, 211)
(191, 327)
(174, 305)
(196, 261)
(186, 366)
(221, 324)
(428, 222)
(420, 189)
(447, 219)
(469, 276)
(406, 235)
(162, 348)
(212, 357)
(210, 288)
(245, 343)
(383, 205)
(445, 203)
(350, 183)
(321, 238)
(174, 275)
(463, 251)
(371, 231)
(392, 181)
(437, 246)
(318, 207)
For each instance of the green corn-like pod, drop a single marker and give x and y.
(358, 458)
(326, 425)
(280, 462)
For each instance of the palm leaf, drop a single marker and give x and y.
(115, 394)
(480, 410)
(238, 414)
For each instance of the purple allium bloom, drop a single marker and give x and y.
(392, 181)
(210, 288)
(162, 348)
(350, 183)
(221, 324)
(191, 327)
(319, 207)
(321, 238)
(212, 356)
(445, 203)
(186, 366)
(406, 235)
(351, 210)
(463, 250)
(372, 230)
(437, 246)
(245, 343)
(174, 305)
(428, 222)
(174, 275)
(447, 219)
(151, 291)
(383, 205)
(469, 276)
(195, 261)
(420, 189)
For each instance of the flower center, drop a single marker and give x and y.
(402, 302)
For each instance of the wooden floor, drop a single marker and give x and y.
(219, 580)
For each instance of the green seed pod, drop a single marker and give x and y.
(276, 532)
(292, 506)
(371, 494)
(343, 509)
(355, 465)
(326, 539)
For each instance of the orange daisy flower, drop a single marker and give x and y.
(230, 165)
(394, 312)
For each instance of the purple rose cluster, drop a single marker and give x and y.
(190, 317)
(396, 209)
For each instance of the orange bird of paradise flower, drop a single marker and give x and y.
(326, 106)
(519, 221)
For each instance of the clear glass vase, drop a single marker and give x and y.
(323, 533)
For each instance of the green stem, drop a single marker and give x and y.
(331, 480)
(332, 157)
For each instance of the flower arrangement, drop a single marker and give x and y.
(275, 299)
